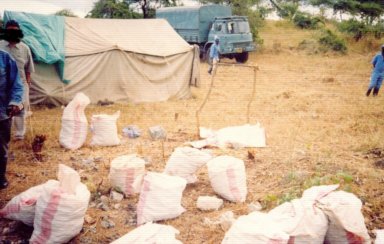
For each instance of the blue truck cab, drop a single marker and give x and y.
(200, 24)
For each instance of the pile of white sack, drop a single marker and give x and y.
(55, 209)
(322, 215)
(74, 126)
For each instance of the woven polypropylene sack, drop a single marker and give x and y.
(126, 174)
(74, 124)
(160, 197)
(228, 178)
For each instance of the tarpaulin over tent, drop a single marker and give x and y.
(44, 34)
(118, 60)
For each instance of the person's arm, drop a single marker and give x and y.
(29, 67)
(17, 88)
(28, 77)
(374, 61)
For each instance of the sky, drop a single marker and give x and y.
(78, 7)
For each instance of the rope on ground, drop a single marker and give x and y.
(198, 111)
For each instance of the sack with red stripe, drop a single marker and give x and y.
(22, 206)
(60, 209)
(160, 197)
(346, 222)
(127, 173)
(228, 178)
(304, 223)
(74, 124)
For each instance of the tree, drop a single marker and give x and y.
(370, 11)
(66, 12)
(128, 9)
(112, 9)
(148, 7)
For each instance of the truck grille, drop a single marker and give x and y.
(241, 44)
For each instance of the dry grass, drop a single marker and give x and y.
(320, 130)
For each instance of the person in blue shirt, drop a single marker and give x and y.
(377, 73)
(214, 55)
(11, 97)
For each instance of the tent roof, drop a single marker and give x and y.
(153, 37)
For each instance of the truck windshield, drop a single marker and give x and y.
(238, 27)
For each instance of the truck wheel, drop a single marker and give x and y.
(242, 57)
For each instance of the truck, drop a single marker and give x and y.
(201, 24)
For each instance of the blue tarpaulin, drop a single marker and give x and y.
(44, 34)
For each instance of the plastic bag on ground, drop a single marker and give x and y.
(303, 224)
(150, 233)
(228, 178)
(185, 161)
(160, 197)
(60, 209)
(255, 227)
(22, 206)
(346, 222)
(104, 130)
(209, 203)
(74, 124)
(127, 173)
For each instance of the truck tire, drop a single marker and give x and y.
(241, 57)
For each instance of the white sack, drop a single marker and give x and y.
(379, 237)
(60, 214)
(150, 233)
(346, 222)
(127, 173)
(160, 197)
(22, 206)
(209, 203)
(74, 124)
(228, 178)
(255, 227)
(104, 130)
(185, 161)
(315, 193)
(234, 136)
(305, 225)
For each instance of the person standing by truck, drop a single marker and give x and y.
(214, 55)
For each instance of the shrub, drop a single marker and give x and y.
(378, 30)
(306, 21)
(331, 41)
(353, 27)
(288, 10)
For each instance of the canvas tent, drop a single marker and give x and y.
(140, 60)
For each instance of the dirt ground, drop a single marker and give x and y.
(320, 129)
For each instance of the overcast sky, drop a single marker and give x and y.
(79, 7)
